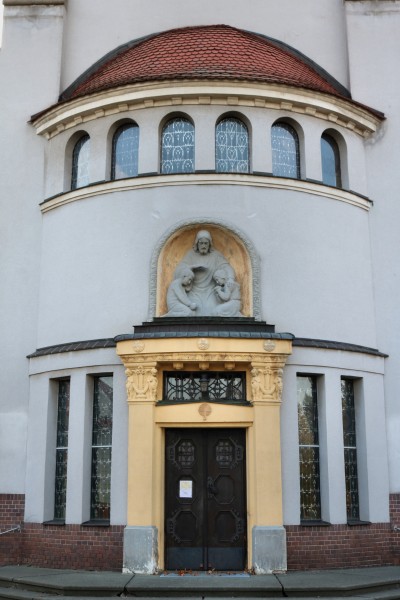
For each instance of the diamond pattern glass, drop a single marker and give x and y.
(60, 499)
(350, 450)
(177, 147)
(101, 448)
(125, 152)
(310, 498)
(285, 151)
(231, 147)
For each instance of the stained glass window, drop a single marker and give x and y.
(125, 152)
(101, 448)
(285, 151)
(80, 163)
(232, 147)
(310, 499)
(330, 158)
(350, 450)
(60, 499)
(177, 147)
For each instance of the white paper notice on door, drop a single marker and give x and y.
(185, 488)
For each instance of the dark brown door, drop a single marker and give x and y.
(205, 506)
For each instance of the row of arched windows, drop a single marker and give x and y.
(232, 153)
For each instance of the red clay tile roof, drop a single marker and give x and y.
(217, 52)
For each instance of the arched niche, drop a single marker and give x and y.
(234, 246)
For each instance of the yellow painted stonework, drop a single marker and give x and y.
(145, 361)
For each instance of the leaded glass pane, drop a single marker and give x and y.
(350, 450)
(310, 499)
(125, 152)
(61, 450)
(80, 163)
(101, 483)
(177, 147)
(101, 448)
(205, 386)
(330, 161)
(231, 147)
(285, 151)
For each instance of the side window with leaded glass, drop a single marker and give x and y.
(80, 163)
(60, 497)
(125, 152)
(285, 151)
(232, 147)
(330, 159)
(350, 450)
(101, 448)
(177, 146)
(307, 402)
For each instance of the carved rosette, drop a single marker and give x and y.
(142, 382)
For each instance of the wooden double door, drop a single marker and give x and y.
(205, 499)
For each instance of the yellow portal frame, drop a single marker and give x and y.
(145, 361)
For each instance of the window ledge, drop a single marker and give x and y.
(97, 523)
(315, 524)
(57, 522)
(245, 179)
(357, 522)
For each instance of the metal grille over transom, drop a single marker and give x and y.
(206, 386)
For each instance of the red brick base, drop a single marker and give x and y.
(101, 548)
(341, 546)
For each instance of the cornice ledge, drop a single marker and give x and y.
(154, 181)
(34, 2)
(75, 112)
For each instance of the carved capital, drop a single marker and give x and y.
(142, 382)
(266, 382)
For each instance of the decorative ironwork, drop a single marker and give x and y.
(60, 498)
(205, 387)
(80, 163)
(101, 448)
(185, 451)
(285, 151)
(350, 450)
(231, 147)
(125, 152)
(310, 497)
(177, 147)
(224, 453)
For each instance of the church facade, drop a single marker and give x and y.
(199, 285)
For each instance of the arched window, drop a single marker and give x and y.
(285, 151)
(125, 152)
(80, 163)
(177, 146)
(231, 146)
(330, 158)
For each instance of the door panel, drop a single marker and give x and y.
(205, 499)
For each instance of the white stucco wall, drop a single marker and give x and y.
(374, 42)
(29, 73)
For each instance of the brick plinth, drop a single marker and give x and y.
(101, 548)
(73, 546)
(341, 546)
(11, 516)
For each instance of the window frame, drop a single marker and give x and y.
(246, 126)
(290, 128)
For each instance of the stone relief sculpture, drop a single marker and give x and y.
(204, 283)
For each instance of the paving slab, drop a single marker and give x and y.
(339, 581)
(108, 583)
(203, 585)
